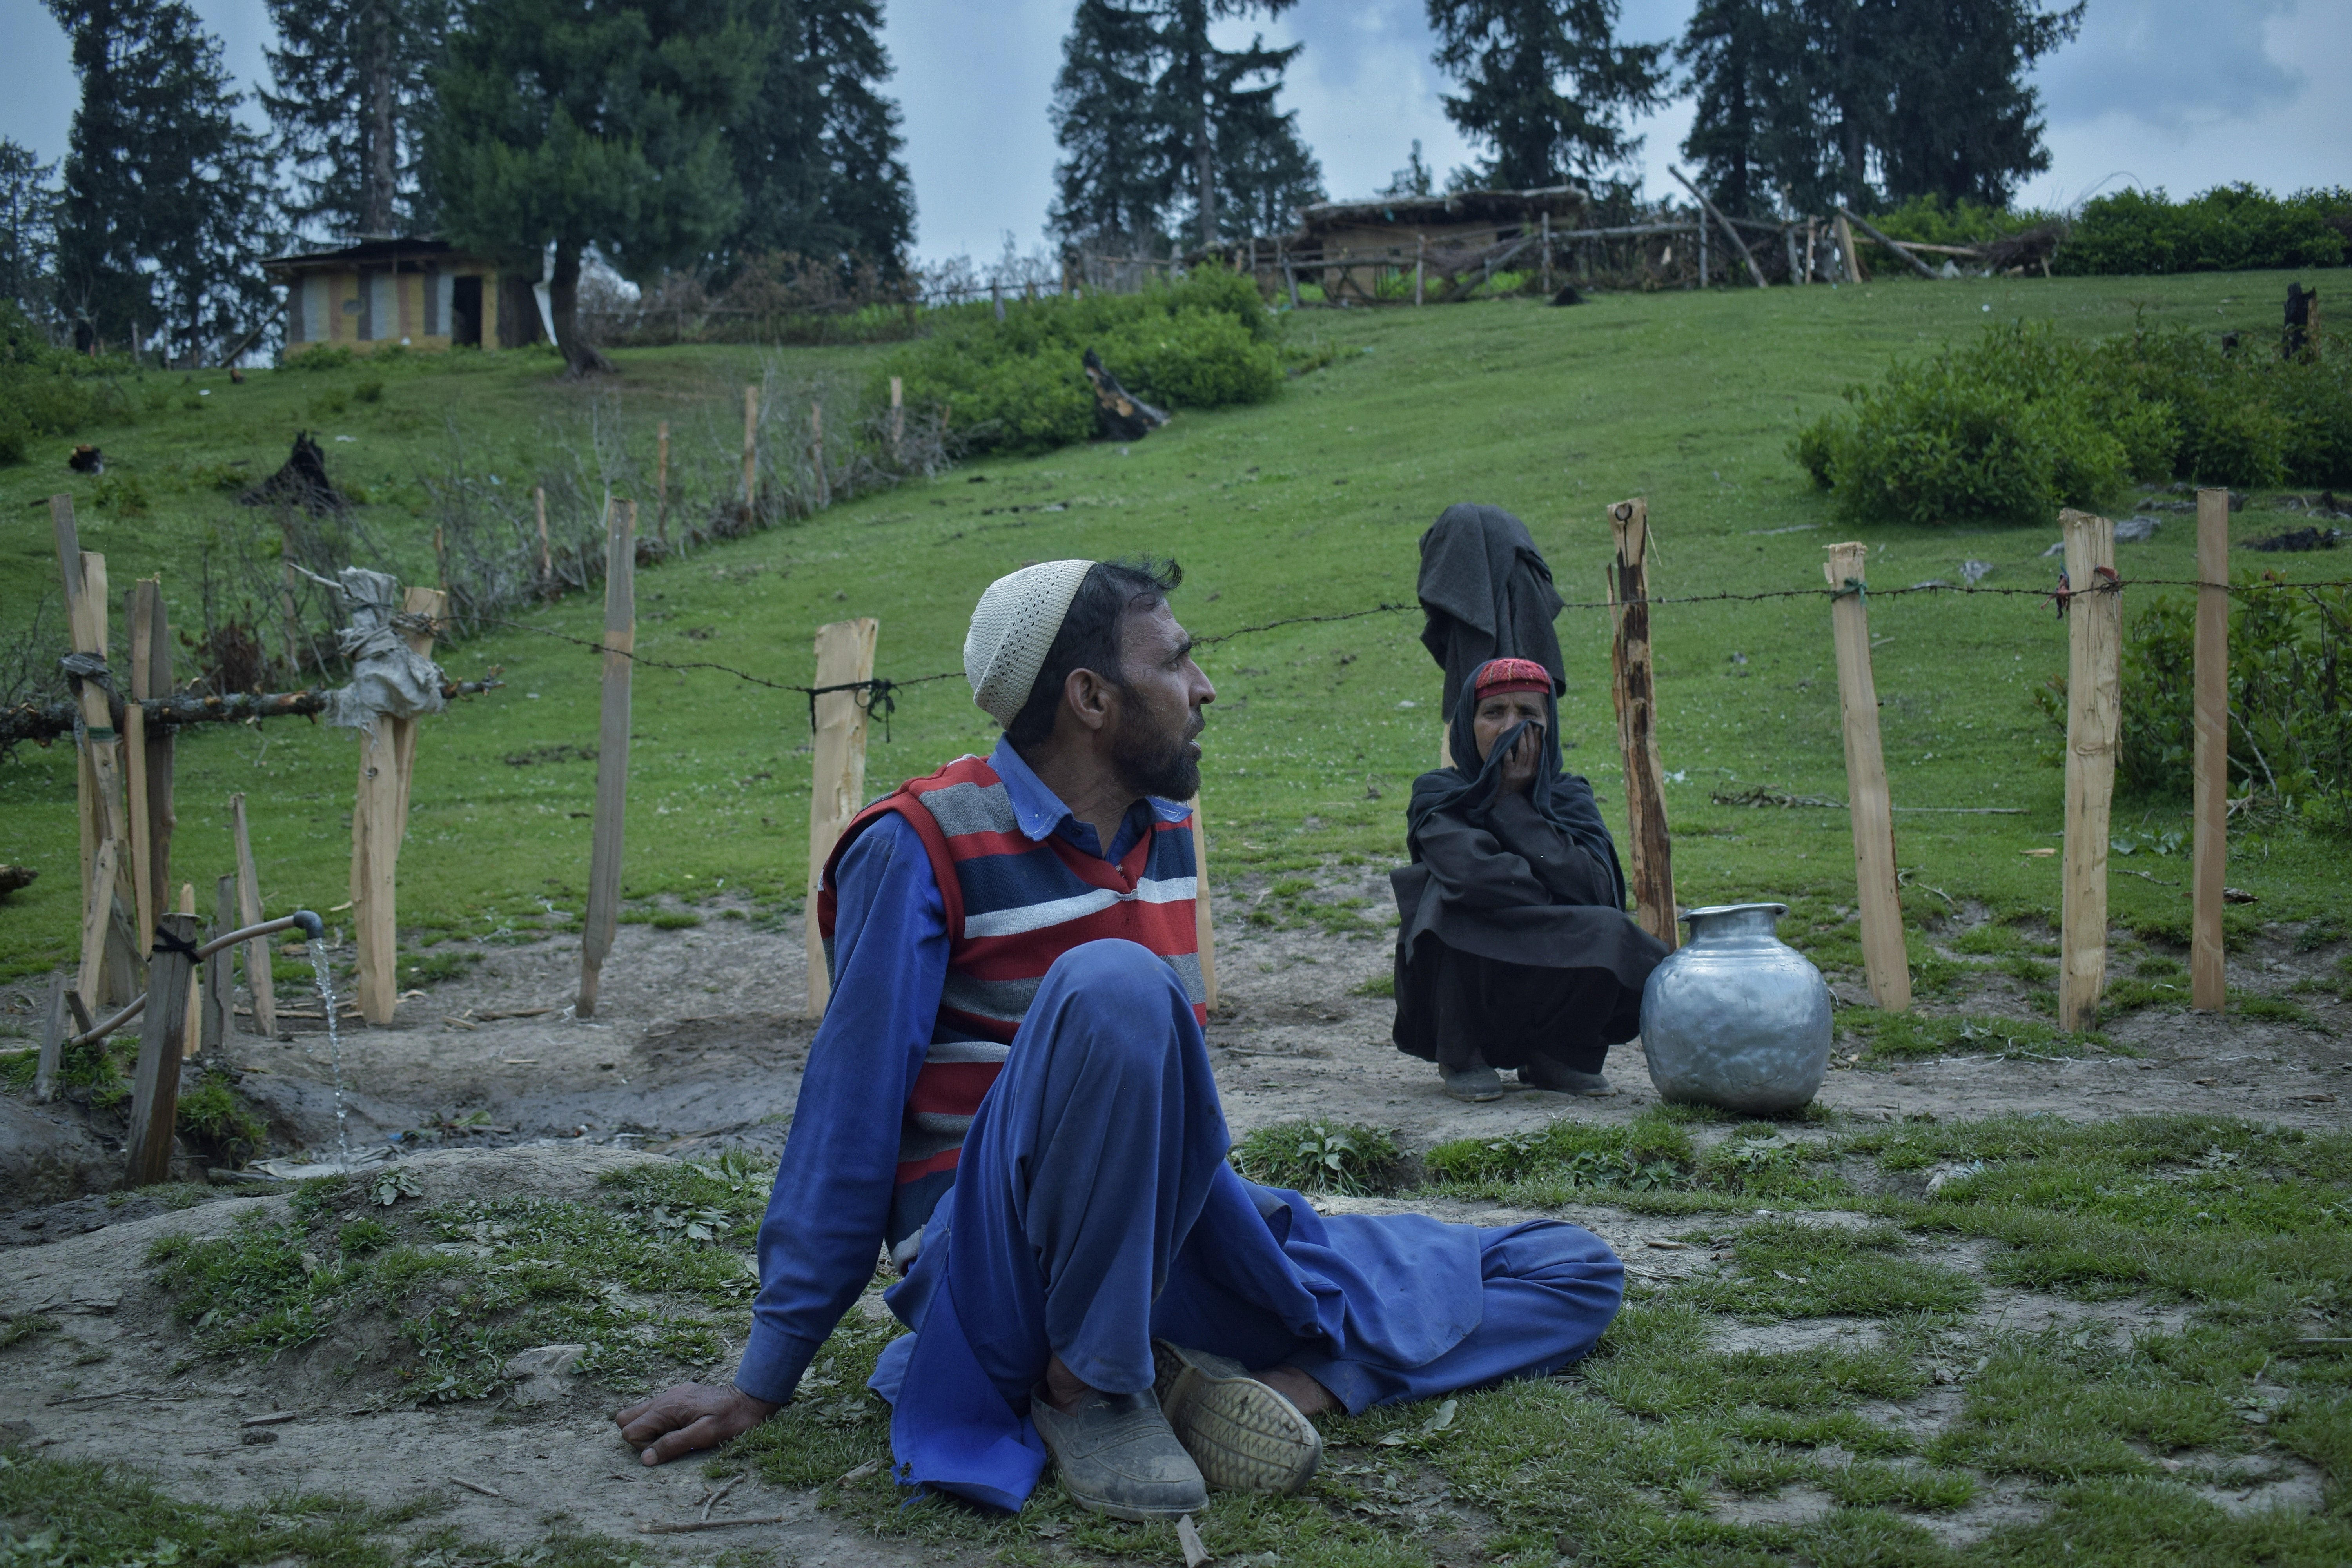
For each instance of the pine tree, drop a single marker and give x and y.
(1108, 185)
(581, 123)
(818, 147)
(1413, 180)
(164, 219)
(1753, 129)
(1961, 124)
(29, 205)
(1158, 124)
(348, 108)
(1547, 85)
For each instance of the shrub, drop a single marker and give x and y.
(2229, 229)
(1017, 385)
(1320, 1157)
(2290, 697)
(44, 391)
(1931, 220)
(2023, 421)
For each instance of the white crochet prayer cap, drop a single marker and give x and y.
(1013, 628)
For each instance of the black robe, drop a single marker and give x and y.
(1513, 942)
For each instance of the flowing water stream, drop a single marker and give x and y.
(334, 1051)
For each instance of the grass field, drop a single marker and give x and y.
(1312, 504)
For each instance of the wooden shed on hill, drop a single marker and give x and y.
(422, 294)
(1455, 240)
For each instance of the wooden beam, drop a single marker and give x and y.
(192, 1029)
(661, 481)
(1855, 271)
(2094, 725)
(97, 917)
(155, 1083)
(1650, 843)
(750, 448)
(817, 457)
(1885, 962)
(898, 419)
(258, 978)
(602, 917)
(1918, 266)
(844, 653)
(1754, 271)
(2209, 847)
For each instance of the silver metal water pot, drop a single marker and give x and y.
(1736, 1017)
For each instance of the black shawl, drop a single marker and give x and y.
(1487, 593)
(1530, 880)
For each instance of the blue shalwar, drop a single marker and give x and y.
(1093, 1208)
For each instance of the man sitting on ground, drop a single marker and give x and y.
(1011, 1091)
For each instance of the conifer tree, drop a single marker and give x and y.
(28, 229)
(164, 219)
(1752, 126)
(1547, 87)
(1110, 188)
(1961, 123)
(348, 107)
(1155, 118)
(581, 123)
(818, 147)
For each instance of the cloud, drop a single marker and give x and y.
(2164, 61)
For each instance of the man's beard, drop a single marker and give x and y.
(1152, 761)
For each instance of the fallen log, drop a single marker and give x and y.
(44, 722)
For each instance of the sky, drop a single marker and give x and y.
(2181, 94)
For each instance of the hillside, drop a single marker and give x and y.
(1309, 505)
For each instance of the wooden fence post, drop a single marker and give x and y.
(1883, 960)
(2210, 852)
(816, 456)
(155, 1084)
(162, 819)
(1420, 260)
(844, 653)
(378, 824)
(1204, 926)
(2093, 723)
(258, 976)
(602, 915)
(661, 484)
(147, 895)
(750, 448)
(898, 419)
(192, 1031)
(111, 959)
(219, 1020)
(1547, 253)
(1723, 222)
(1855, 271)
(53, 1041)
(292, 613)
(1637, 732)
(546, 556)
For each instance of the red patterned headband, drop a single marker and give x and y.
(1512, 675)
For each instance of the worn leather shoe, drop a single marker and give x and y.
(1542, 1073)
(1118, 1455)
(1472, 1083)
(1245, 1436)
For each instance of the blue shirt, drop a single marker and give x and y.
(822, 1235)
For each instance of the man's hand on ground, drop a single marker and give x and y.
(690, 1416)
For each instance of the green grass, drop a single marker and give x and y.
(1320, 1157)
(1687, 400)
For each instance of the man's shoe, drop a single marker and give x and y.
(1117, 1456)
(1543, 1073)
(1472, 1083)
(1245, 1436)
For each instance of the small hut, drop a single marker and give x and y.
(423, 294)
(1455, 240)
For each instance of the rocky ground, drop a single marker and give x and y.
(489, 1083)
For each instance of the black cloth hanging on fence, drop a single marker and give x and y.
(1488, 592)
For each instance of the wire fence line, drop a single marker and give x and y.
(877, 695)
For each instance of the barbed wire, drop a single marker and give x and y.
(876, 694)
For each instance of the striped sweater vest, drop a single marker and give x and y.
(1013, 906)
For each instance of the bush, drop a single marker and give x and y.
(2023, 421)
(1931, 220)
(1017, 385)
(44, 391)
(2290, 697)
(2230, 228)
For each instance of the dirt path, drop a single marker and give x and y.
(698, 1043)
